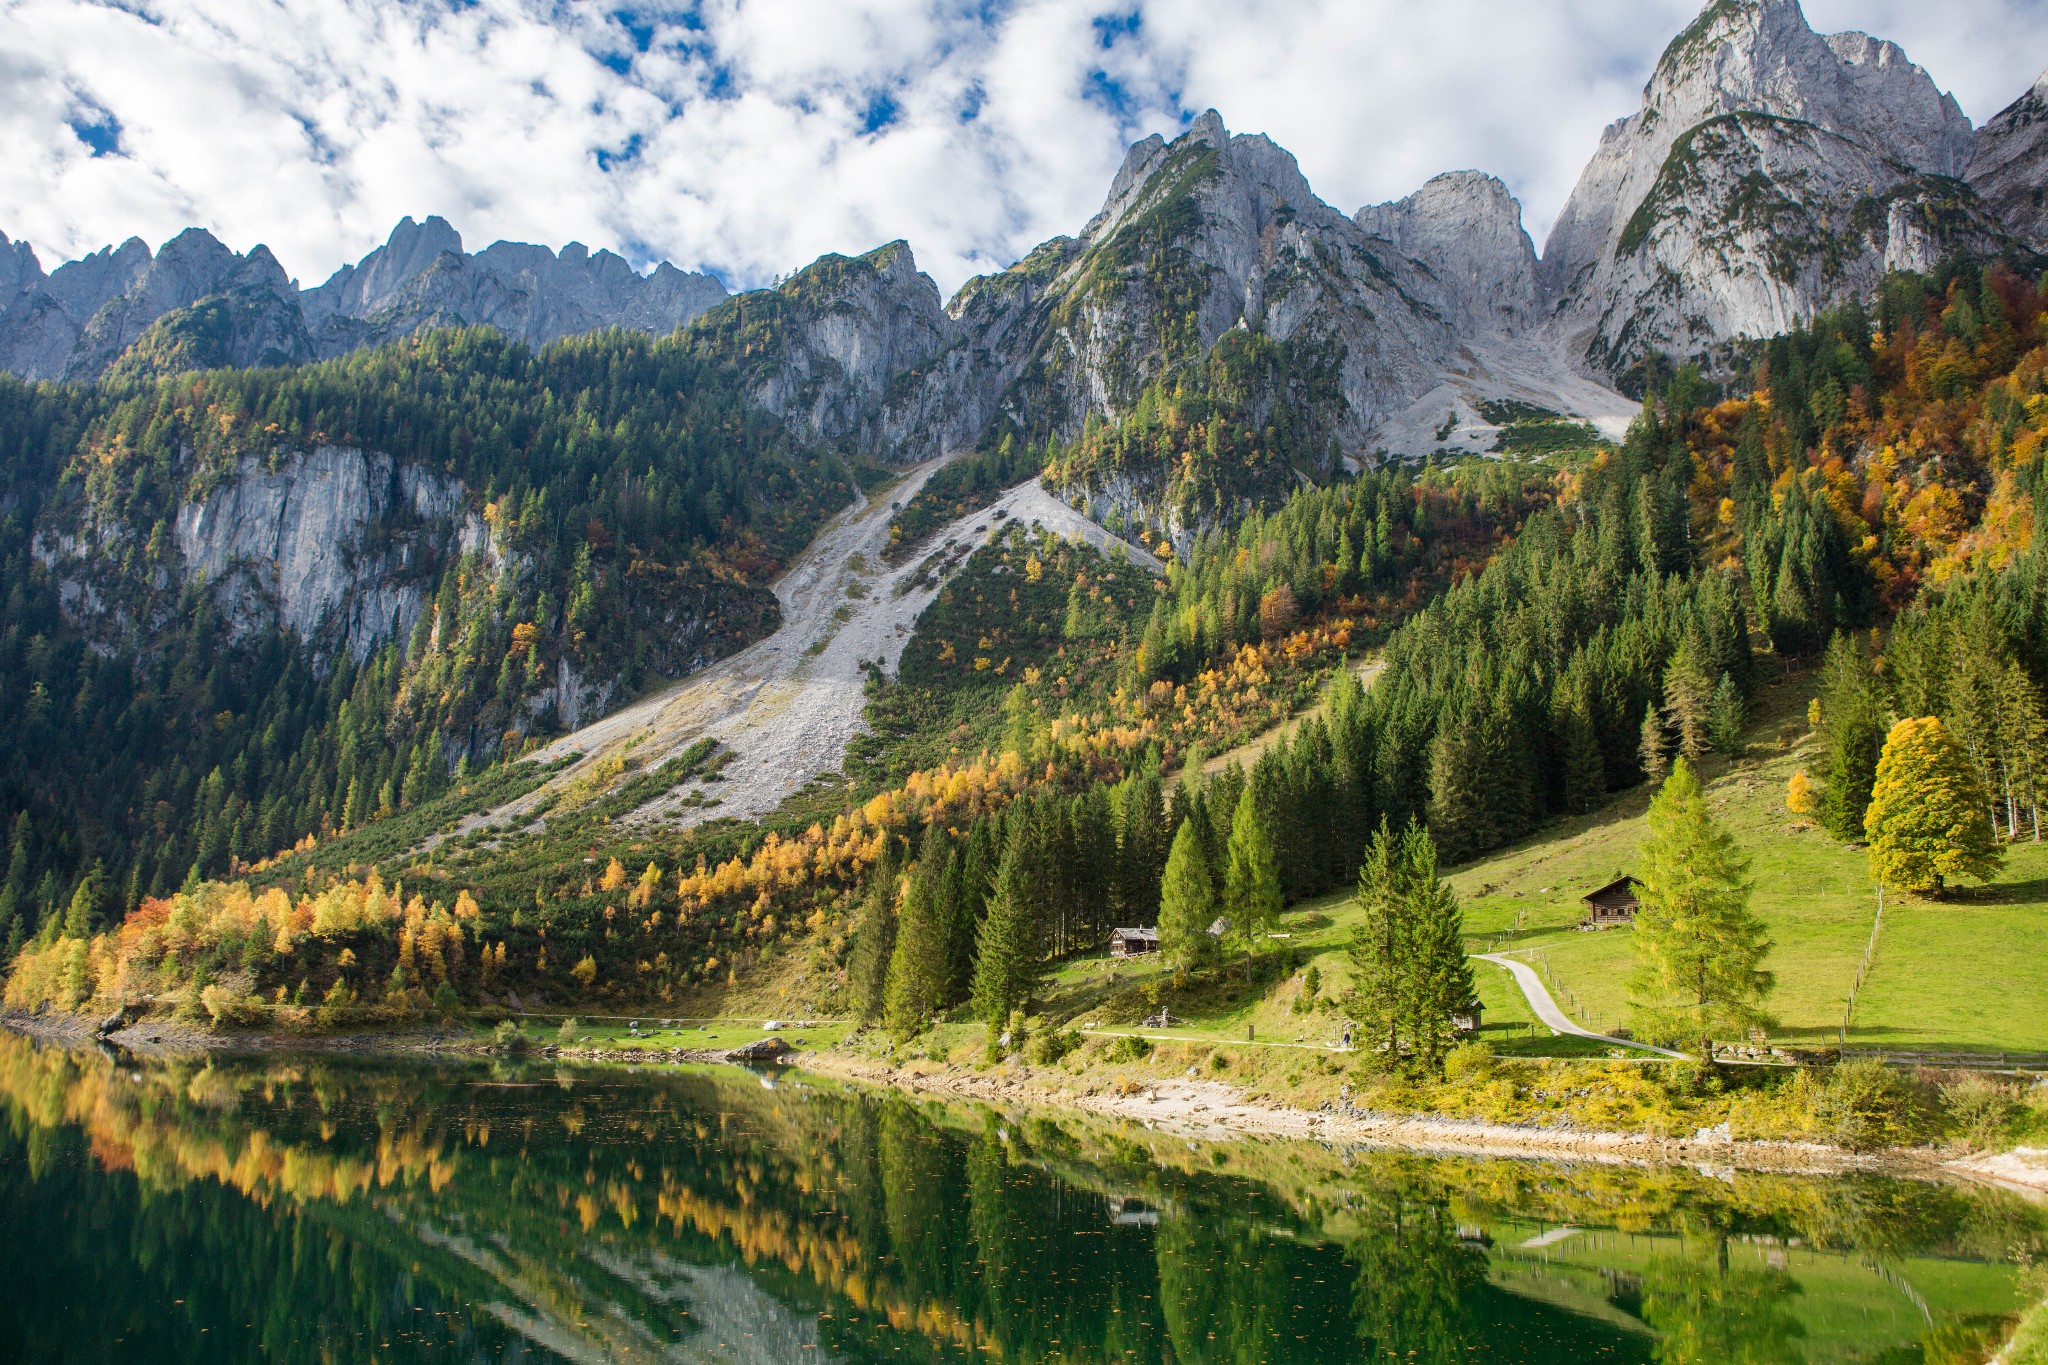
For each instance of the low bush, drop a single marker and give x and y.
(1128, 1048)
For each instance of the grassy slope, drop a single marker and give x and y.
(1957, 974)
(1954, 975)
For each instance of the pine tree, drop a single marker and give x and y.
(1654, 753)
(1141, 849)
(874, 944)
(1251, 881)
(1689, 702)
(1927, 820)
(1435, 979)
(1699, 948)
(1006, 956)
(2026, 744)
(1725, 716)
(1187, 902)
(1850, 734)
(1379, 942)
(83, 914)
(919, 965)
(1582, 775)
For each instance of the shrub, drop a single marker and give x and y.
(1051, 1048)
(1128, 1048)
(230, 1010)
(1865, 1104)
(566, 1034)
(1980, 1110)
(1472, 1060)
(509, 1037)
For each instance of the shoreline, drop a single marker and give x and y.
(1199, 1109)
(1213, 1111)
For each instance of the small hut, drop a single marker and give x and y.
(1614, 903)
(1132, 942)
(1465, 1018)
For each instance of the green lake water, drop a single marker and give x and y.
(327, 1210)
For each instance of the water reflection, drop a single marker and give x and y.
(323, 1210)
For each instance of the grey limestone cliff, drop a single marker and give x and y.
(2009, 169)
(1771, 171)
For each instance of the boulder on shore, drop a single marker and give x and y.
(765, 1050)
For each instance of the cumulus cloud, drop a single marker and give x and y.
(749, 136)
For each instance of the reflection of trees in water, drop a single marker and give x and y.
(106, 1265)
(598, 1209)
(1709, 1313)
(1417, 1284)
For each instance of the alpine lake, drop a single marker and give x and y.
(334, 1209)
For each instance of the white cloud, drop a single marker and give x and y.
(732, 134)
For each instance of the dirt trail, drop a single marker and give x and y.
(786, 706)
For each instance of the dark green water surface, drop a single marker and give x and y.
(324, 1210)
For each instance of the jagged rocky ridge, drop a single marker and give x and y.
(1770, 172)
(198, 305)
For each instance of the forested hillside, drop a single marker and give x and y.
(611, 509)
(1551, 631)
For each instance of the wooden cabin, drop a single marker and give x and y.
(1465, 1018)
(1614, 903)
(1132, 942)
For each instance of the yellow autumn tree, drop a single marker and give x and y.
(1929, 816)
(614, 876)
(1802, 798)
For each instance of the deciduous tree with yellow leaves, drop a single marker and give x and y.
(1929, 816)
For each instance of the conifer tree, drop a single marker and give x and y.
(1927, 820)
(1379, 944)
(1725, 716)
(1251, 881)
(1581, 772)
(84, 910)
(1699, 948)
(874, 944)
(1689, 702)
(1006, 955)
(1435, 980)
(1654, 752)
(919, 965)
(1187, 902)
(1851, 734)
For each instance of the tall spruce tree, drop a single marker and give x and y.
(1187, 903)
(1006, 956)
(919, 967)
(1689, 702)
(1851, 736)
(1434, 979)
(1379, 944)
(1251, 881)
(1699, 948)
(874, 943)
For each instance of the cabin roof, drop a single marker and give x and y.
(1618, 889)
(1149, 935)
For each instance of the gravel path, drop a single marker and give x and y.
(1547, 1010)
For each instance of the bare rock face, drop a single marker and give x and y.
(1466, 230)
(335, 545)
(42, 317)
(1770, 172)
(196, 304)
(422, 277)
(1200, 237)
(2009, 170)
(841, 349)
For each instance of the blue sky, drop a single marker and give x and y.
(749, 136)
